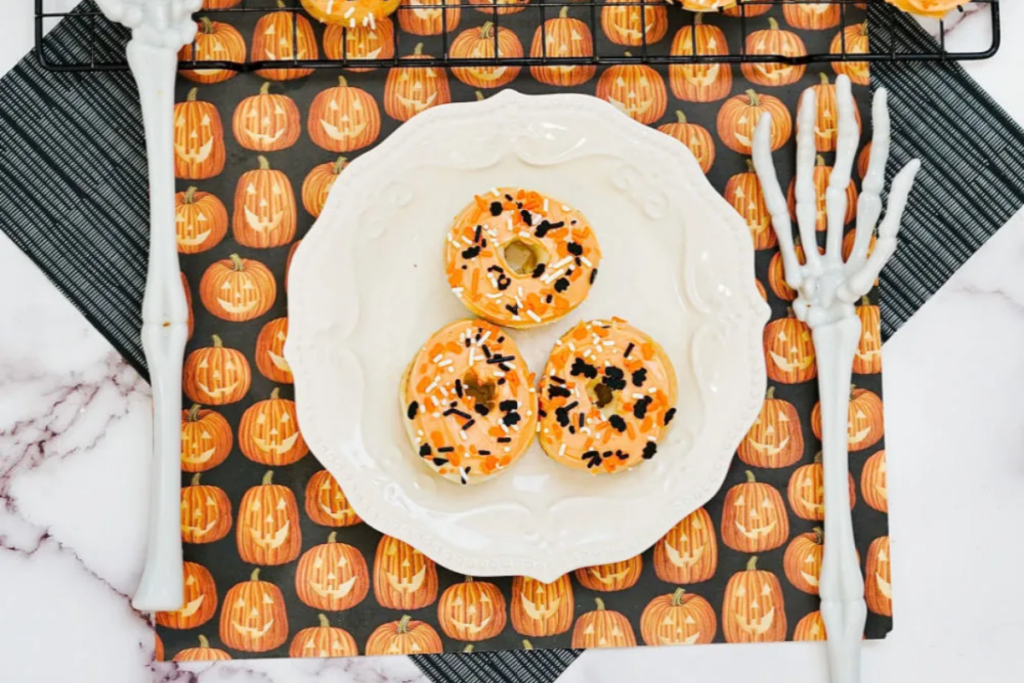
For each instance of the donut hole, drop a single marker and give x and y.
(602, 397)
(523, 257)
(481, 392)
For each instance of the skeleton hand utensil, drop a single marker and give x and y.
(827, 289)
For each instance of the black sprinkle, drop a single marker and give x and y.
(639, 377)
(438, 462)
(511, 420)
(669, 414)
(413, 408)
(495, 360)
(501, 381)
(593, 275)
(458, 382)
(527, 218)
(572, 430)
(513, 309)
(472, 252)
(539, 270)
(556, 391)
(481, 409)
(629, 350)
(469, 424)
(548, 299)
(425, 450)
(541, 412)
(545, 227)
(508, 405)
(446, 449)
(622, 455)
(556, 378)
(504, 368)
(593, 458)
(562, 414)
(582, 367)
(496, 208)
(640, 407)
(579, 262)
(607, 454)
(583, 419)
(561, 284)
(501, 339)
(614, 378)
(484, 452)
(476, 235)
(483, 243)
(508, 197)
(649, 450)
(617, 423)
(456, 411)
(468, 341)
(493, 269)
(575, 249)
(504, 439)
(487, 351)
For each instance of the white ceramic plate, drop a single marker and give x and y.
(368, 287)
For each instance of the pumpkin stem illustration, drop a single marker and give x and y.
(750, 166)
(275, 393)
(789, 311)
(203, 641)
(236, 262)
(680, 116)
(819, 535)
(217, 343)
(752, 564)
(773, 23)
(755, 99)
(264, 164)
(818, 458)
(191, 97)
(824, 78)
(600, 604)
(324, 623)
(770, 394)
(332, 537)
(819, 161)
(255, 576)
(195, 478)
(853, 388)
(193, 413)
(418, 50)
(864, 28)
(865, 301)
(342, 83)
(479, 96)
(468, 648)
(677, 597)
(403, 624)
(564, 12)
(698, 19)
(207, 25)
(280, 3)
(339, 165)
(750, 477)
(469, 579)
(627, 54)
(268, 478)
(265, 88)
(190, 193)
(527, 645)
(485, 30)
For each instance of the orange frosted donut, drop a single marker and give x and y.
(350, 13)
(468, 402)
(607, 396)
(518, 258)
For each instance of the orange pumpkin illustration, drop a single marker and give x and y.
(774, 41)
(738, 118)
(216, 375)
(748, 8)
(700, 82)
(864, 160)
(200, 221)
(424, 17)
(866, 424)
(281, 36)
(696, 138)
(777, 272)
(855, 41)
(191, 321)
(267, 122)
(541, 609)
(878, 578)
(826, 118)
(500, 6)
(403, 577)
(269, 432)
(754, 517)
(215, 41)
(679, 618)
(203, 653)
(625, 23)
(361, 43)
(318, 184)
(332, 576)
(744, 193)
(848, 243)
(410, 90)
(270, 351)
(753, 610)
(480, 43)
(802, 560)
(326, 503)
(220, 4)
(868, 359)
(205, 512)
(806, 491)
(237, 289)
(198, 139)
(200, 600)
(602, 628)
(254, 618)
(268, 531)
(472, 610)
(404, 637)
(810, 628)
(343, 118)
(873, 483)
(323, 641)
(776, 439)
(789, 351)
(615, 576)
(265, 214)
(821, 177)
(562, 37)
(688, 553)
(636, 90)
(206, 439)
(812, 16)
(761, 290)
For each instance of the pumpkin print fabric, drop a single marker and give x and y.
(278, 564)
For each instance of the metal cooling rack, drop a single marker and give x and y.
(105, 51)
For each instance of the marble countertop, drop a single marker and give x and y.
(72, 536)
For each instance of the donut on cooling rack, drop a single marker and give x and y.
(521, 259)
(468, 402)
(928, 8)
(350, 13)
(606, 398)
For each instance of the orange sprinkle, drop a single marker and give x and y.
(421, 386)
(580, 332)
(437, 438)
(647, 349)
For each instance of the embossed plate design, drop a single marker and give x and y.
(367, 288)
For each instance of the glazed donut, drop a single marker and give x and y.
(520, 259)
(350, 13)
(468, 402)
(606, 398)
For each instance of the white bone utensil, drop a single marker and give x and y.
(159, 29)
(827, 290)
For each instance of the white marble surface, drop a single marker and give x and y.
(71, 536)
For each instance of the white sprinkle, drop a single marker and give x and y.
(608, 342)
(496, 295)
(438, 357)
(520, 292)
(472, 357)
(517, 317)
(451, 369)
(566, 208)
(638, 395)
(529, 413)
(483, 339)
(552, 276)
(417, 440)
(524, 233)
(545, 205)
(352, 23)
(652, 438)
(652, 390)
(503, 426)
(462, 434)
(567, 260)
(572, 347)
(495, 192)
(586, 262)
(419, 432)
(519, 302)
(561, 449)
(586, 354)
(536, 318)
(585, 430)
(444, 390)
(508, 449)
(509, 225)
(468, 242)
(538, 427)
(499, 374)
(437, 414)
(372, 21)
(445, 363)
(433, 399)
(349, 12)
(558, 343)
